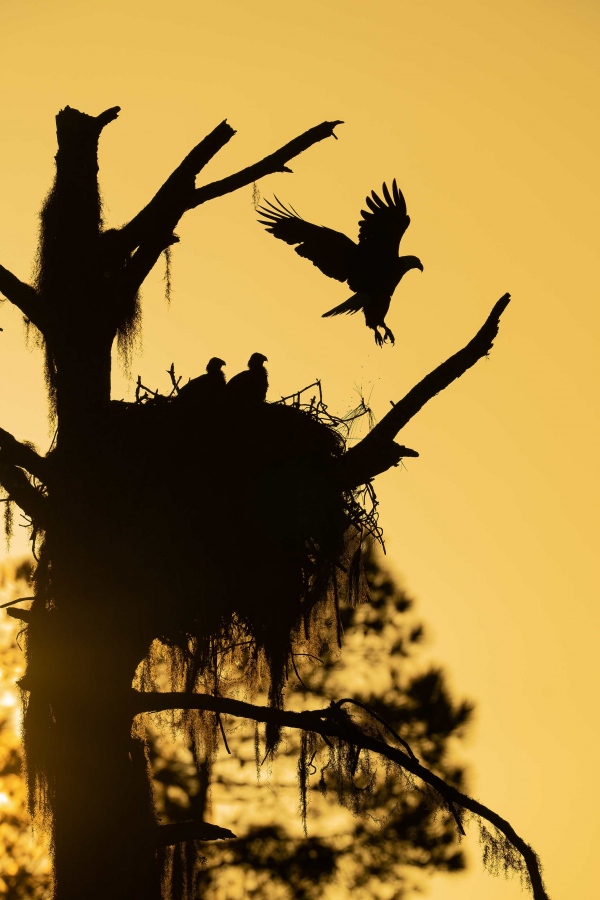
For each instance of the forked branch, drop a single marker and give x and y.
(333, 722)
(179, 193)
(377, 452)
(275, 162)
(164, 211)
(151, 230)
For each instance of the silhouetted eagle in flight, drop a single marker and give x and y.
(206, 389)
(372, 267)
(250, 386)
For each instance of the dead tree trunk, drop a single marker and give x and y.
(84, 643)
(82, 657)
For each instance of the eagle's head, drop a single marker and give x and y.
(406, 263)
(215, 364)
(256, 361)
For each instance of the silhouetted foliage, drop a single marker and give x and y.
(24, 860)
(398, 827)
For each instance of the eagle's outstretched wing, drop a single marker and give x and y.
(331, 251)
(382, 227)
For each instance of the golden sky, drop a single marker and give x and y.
(486, 113)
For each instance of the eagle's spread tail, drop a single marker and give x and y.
(352, 305)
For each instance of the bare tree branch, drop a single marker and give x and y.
(23, 615)
(16, 453)
(356, 469)
(17, 485)
(151, 230)
(276, 162)
(167, 835)
(109, 115)
(130, 280)
(377, 452)
(170, 202)
(22, 295)
(333, 722)
(444, 375)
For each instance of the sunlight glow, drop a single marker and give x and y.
(8, 698)
(486, 113)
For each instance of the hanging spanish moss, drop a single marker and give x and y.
(129, 334)
(167, 277)
(271, 505)
(35, 339)
(68, 261)
(8, 522)
(70, 222)
(50, 380)
(308, 748)
(499, 855)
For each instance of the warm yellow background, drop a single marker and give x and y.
(487, 114)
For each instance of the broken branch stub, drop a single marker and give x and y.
(179, 832)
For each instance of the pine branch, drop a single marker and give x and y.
(377, 452)
(23, 296)
(333, 722)
(275, 162)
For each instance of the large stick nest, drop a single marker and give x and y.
(225, 526)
